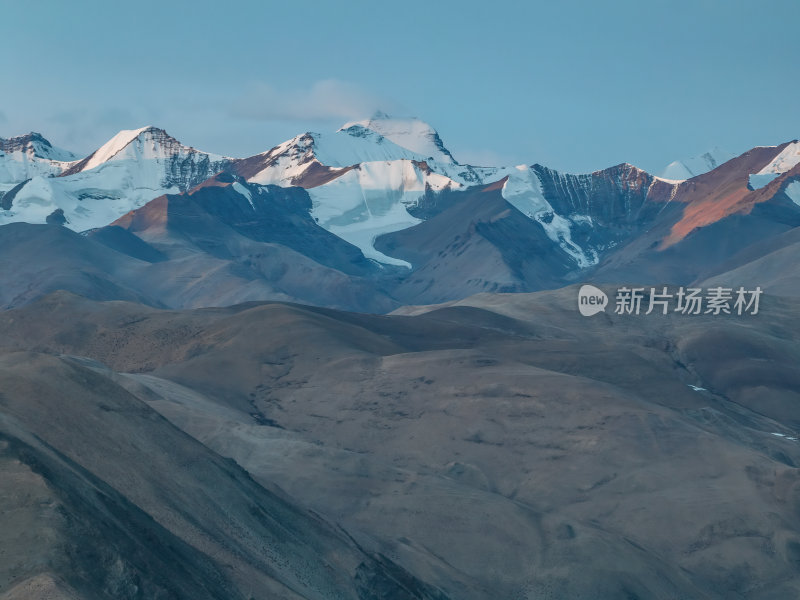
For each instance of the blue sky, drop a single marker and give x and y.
(575, 85)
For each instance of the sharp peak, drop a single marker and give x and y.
(32, 136)
(125, 137)
(145, 129)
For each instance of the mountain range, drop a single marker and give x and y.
(351, 367)
(377, 215)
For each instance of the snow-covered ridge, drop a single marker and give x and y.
(31, 155)
(131, 169)
(523, 190)
(786, 160)
(364, 178)
(410, 133)
(35, 145)
(110, 149)
(145, 143)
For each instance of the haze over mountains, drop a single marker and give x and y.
(377, 215)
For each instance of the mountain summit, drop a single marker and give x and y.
(26, 156)
(409, 133)
(35, 145)
(126, 172)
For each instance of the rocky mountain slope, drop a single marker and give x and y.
(104, 498)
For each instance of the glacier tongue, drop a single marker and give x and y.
(371, 179)
(362, 180)
(378, 168)
(372, 200)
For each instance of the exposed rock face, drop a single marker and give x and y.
(26, 156)
(612, 205)
(125, 173)
(35, 144)
(181, 166)
(623, 196)
(56, 217)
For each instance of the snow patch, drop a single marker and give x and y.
(108, 150)
(244, 192)
(759, 180)
(793, 191)
(786, 160)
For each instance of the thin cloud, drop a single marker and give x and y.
(3, 117)
(324, 100)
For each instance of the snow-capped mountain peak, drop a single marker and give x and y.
(409, 133)
(113, 146)
(687, 168)
(130, 169)
(35, 145)
(31, 155)
(785, 160)
(134, 144)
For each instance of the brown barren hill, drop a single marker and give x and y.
(720, 193)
